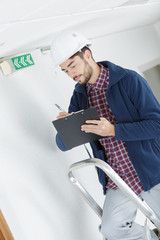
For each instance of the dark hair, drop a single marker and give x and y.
(81, 52)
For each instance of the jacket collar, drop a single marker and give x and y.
(115, 74)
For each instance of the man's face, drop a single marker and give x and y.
(78, 69)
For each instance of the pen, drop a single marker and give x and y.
(61, 109)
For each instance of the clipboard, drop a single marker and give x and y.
(69, 128)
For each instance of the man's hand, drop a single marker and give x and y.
(101, 127)
(63, 114)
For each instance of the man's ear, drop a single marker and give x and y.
(87, 54)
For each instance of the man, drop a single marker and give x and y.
(130, 126)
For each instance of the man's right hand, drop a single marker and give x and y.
(63, 114)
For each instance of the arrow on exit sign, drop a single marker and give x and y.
(22, 61)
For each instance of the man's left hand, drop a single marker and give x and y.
(101, 127)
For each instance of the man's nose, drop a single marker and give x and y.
(71, 73)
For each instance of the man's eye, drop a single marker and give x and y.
(73, 66)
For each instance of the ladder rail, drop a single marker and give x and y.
(87, 197)
(140, 204)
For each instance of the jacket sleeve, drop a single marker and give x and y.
(74, 103)
(60, 143)
(147, 125)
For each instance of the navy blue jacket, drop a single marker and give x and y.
(138, 115)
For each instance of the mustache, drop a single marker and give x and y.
(74, 78)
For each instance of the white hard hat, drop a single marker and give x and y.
(67, 44)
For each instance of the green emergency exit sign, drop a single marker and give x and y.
(22, 61)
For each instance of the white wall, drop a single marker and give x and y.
(157, 28)
(130, 49)
(35, 195)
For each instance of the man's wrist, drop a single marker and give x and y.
(112, 130)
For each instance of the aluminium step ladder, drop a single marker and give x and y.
(140, 203)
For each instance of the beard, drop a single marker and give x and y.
(88, 71)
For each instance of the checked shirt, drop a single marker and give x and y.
(115, 150)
